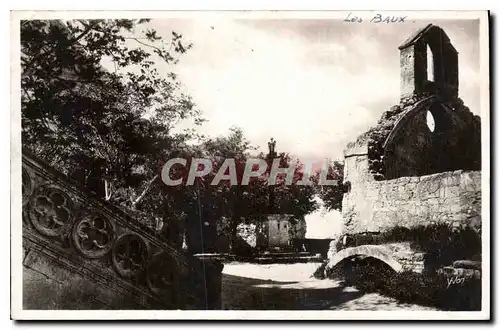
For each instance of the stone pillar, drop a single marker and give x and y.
(332, 249)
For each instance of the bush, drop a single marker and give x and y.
(467, 264)
(371, 275)
(319, 273)
(442, 245)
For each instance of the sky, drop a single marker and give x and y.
(312, 84)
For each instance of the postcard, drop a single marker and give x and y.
(271, 165)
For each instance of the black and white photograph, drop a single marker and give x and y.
(258, 164)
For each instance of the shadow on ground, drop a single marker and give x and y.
(243, 293)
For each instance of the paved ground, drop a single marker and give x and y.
(291, 287)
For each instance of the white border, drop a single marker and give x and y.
(16, 222)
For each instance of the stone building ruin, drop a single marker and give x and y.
(280, 230)
(420, 165)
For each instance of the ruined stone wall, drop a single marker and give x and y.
(413, 149)
(83, 253)
(420, 164)
(402, 146)
(449, 197)
(279, 230)
(401, 143)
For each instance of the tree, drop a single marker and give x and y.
(111, 127)
(108, 129)
(238, 202)
(332, 195)
(227, 200)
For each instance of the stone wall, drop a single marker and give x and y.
(449, 197)
(401, 143)
(81, 252)
(279, 230)
(420, 164)
(402, 146)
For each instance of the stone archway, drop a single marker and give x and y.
(411, 148)
(381, 253)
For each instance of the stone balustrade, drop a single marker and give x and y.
(81, 252)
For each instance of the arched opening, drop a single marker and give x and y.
(431, 123)
(425, 141)
(381, 253)
(366, 273)
(430, 64)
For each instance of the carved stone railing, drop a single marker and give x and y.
(81, 252)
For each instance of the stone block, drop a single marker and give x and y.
(442, 192)
(455, 208)
(452, 180)
(404, 180)
(467, 273)
(450, 271)
(453, 192)
(332, 249)
(467, 264)
(46, 266)
(414, 179)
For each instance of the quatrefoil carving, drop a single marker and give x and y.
(163, 276)
(93, 236)
(130, 255)
(27, 186)
(50, 210)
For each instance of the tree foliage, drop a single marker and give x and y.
(95, 123)
(332, 195)
(95, 107)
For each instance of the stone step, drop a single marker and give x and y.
(461, 272)
(285, 260)
(274, 253)
(467, 264)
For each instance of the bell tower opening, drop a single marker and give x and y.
(431, 123)
(428, 56)
(430, 64)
